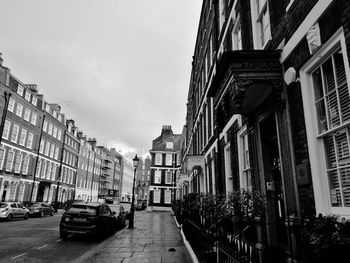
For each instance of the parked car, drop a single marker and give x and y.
(70, 202)
(40, 209)
(90, 218)
(11, 210)
(120, 214)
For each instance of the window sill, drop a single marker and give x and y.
(289, 5)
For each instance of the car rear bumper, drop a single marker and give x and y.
(76, 229)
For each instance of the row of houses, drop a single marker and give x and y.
(45, 157)
(268, 109)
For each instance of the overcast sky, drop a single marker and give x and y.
(119, 68)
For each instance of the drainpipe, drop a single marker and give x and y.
(60, 167)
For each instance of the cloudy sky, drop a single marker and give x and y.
(120, 68)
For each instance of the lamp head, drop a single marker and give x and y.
(135, 161)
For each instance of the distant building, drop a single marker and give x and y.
(127, 180)
(165, 165)
(20, 133)
(143, 178)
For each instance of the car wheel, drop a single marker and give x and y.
(9, 217)
(63, 235)
(26, 215)
(41, 214)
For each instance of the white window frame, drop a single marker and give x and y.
(169, 159)
(56, 152)
(47, 148)
(10, 161)
(19, 159)
(243, 161)
(11, 105)
(157, 176)
(3, 157)
(166, 177)
(315, 143)
(15, 129)
(42, 146)
(156, 198)
(26, 114)
(158, 157)
(45, 126)
(25, 165)
(22, 137)
(169, 145)
(237, 34)
(228, 168)
(34, 100)
(19, 109)
(256, 23)
(20, 90)
(167, 196)
(50, 129)
(30, 138)
(6, 131)
(27, 95)
(33, 118)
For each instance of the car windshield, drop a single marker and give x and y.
(33, 205)
(83, 209)
(2, 205)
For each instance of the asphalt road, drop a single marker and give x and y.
(37, 240)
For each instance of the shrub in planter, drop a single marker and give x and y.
(326, 239)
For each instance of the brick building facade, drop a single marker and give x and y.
(268, 108)
(164, 167)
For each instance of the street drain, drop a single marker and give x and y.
(172, 249)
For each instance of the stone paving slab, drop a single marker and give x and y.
(155, 238)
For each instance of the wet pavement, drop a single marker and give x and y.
(155, 238)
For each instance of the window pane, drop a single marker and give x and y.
(334, 188)
(331, 160)
(345, 180)
(339, 68)
(333, 110)
(318, 87)
(341, 139)
(328, 75)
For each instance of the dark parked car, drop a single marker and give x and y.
(120, 214)
(40, 209)
(91, 218)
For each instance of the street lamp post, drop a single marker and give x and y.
(131, 219)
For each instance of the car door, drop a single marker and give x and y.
(45, 208)
(14, 209)
(103, 219)
(20, 209)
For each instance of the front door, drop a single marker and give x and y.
(272, 177)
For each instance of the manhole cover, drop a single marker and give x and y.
(172, 249)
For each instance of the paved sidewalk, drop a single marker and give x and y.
(155, 238)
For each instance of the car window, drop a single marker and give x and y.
(44, 205)
(102, 210)
(13, 205)
(20, 206)
(82, 209)
(34, 205)
(2, 205)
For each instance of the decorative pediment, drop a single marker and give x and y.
(244, 80)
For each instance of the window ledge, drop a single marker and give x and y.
(289, 5)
